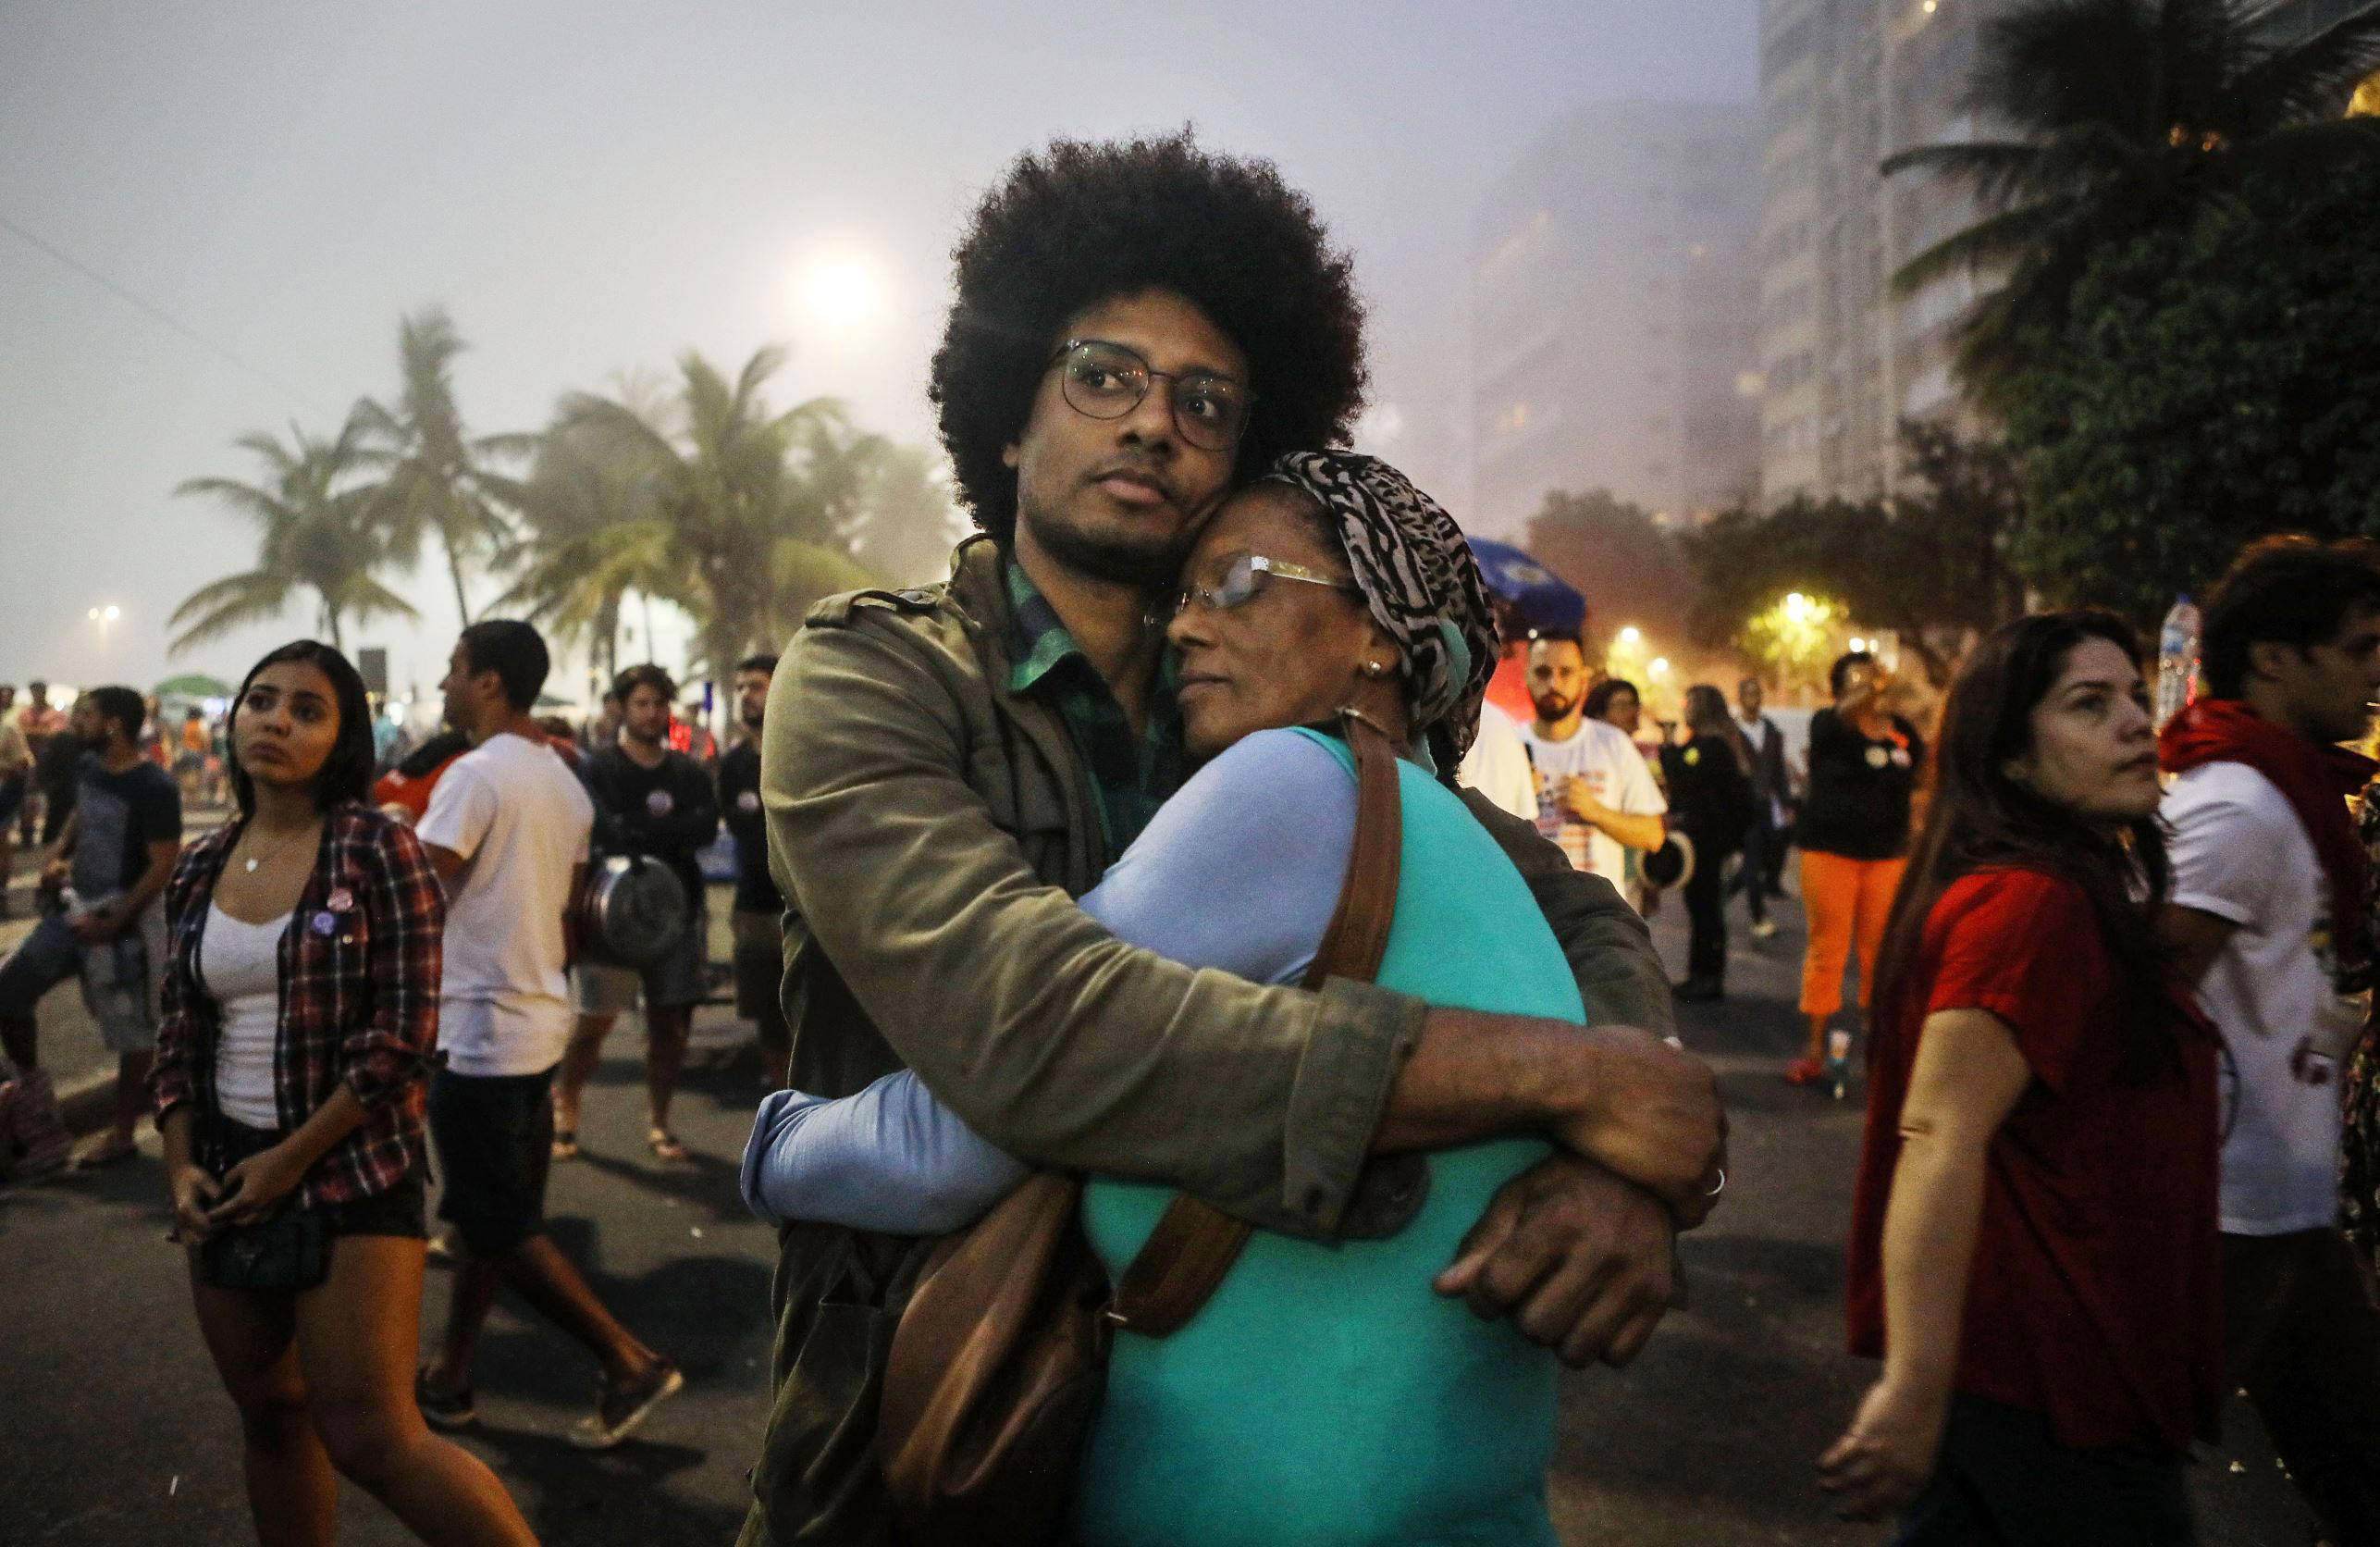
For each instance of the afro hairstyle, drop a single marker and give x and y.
(1081, 223)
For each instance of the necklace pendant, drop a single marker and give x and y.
(252, 867)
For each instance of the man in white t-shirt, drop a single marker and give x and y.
(1498, 765)
(1596, 794)
(507, 832)
(2266, 915)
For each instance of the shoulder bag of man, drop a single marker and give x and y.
(999, 1361)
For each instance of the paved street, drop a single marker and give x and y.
(117, 1433)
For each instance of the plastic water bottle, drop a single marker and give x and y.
(1838, 1060)
(2177, 659)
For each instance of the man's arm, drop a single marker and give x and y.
(1621, 979)
(1059, 1043)
(122, 913)
(2195, 938)
(1643, 831)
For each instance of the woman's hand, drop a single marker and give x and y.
(253, 1186)
(1888, 1454)
(192, 1191)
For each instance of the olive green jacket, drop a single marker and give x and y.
(930, 830)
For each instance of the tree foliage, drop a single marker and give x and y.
(2217, 383)
(1932, 565)
(2124, 117)
(316, 533)
(1627, 568)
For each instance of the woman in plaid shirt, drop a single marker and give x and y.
(301, 1008)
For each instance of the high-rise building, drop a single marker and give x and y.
(1843, 359)
(1613, 315)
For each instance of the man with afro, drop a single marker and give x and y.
(1139, 326)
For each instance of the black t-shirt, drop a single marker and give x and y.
(1710, 796)
(668, 811)
(739, 801)
(118, 816)
(1858, 804)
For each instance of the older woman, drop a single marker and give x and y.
(1321, 1394)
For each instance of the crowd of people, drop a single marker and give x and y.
(1035, 869)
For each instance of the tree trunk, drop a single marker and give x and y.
(454, 573)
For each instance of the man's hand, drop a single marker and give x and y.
(53, 875)
(100, 923)
(1579, 796)
(1583, 1262)
(1650, 1114)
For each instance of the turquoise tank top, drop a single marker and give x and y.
(1326, 1394)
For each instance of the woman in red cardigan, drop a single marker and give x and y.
(2033, 1249)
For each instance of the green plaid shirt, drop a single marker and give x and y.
(1133, 774)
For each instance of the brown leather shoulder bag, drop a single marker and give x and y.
(999, 1361)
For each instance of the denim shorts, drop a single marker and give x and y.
(401, 1210)
(126, 1010)
(495, 1135)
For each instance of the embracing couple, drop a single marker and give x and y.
(1021, 931)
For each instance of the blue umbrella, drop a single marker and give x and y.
(1544, 600)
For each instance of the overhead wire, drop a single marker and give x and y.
(156, 313)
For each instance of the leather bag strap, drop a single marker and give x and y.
(1195, 1244)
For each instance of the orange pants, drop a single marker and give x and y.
(1846, 902)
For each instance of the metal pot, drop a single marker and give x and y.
(633, 910)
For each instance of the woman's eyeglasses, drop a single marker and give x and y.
(1101, 380)
(1246, 576)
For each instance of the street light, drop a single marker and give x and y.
(1797, 607)
(1630, 635)
(104, 616)
(1658, 666)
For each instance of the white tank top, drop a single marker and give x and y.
(241, 964)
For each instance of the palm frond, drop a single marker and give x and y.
(2311, 78)
(1995, 240)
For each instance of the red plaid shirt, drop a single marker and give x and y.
(359, 997)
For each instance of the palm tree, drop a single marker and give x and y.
(2123, 115)
(314, 536)
(591, 533)
(749, 536)
(439, 479)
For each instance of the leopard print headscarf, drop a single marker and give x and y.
(1417, 574)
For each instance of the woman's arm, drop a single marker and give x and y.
(253, 1186)
(891, 1157)
(1968, 1077)
(405, 912)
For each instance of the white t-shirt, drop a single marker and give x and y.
(2241, 853)
(1497, 764)
(1616, 773)
(517, 813)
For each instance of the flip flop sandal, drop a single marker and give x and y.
(565, 1144)
(665, 1146)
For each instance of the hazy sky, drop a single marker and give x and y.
(592, 188)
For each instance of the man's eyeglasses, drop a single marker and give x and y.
(1246, 576)
(1101, 380)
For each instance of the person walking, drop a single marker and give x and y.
(759, 907)
(2268, 918)
(1864, 764)
(1712, 800)
(1761, 876)
(114, 857)
(300, 1012)
(2033, 1250)
(507, 833)
(652, 800)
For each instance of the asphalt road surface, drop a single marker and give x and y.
(117, 1432)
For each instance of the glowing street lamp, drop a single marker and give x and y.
(1797, 607)
(104, 616)
(842, 293)
(1659, 665)
(1631, 635)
